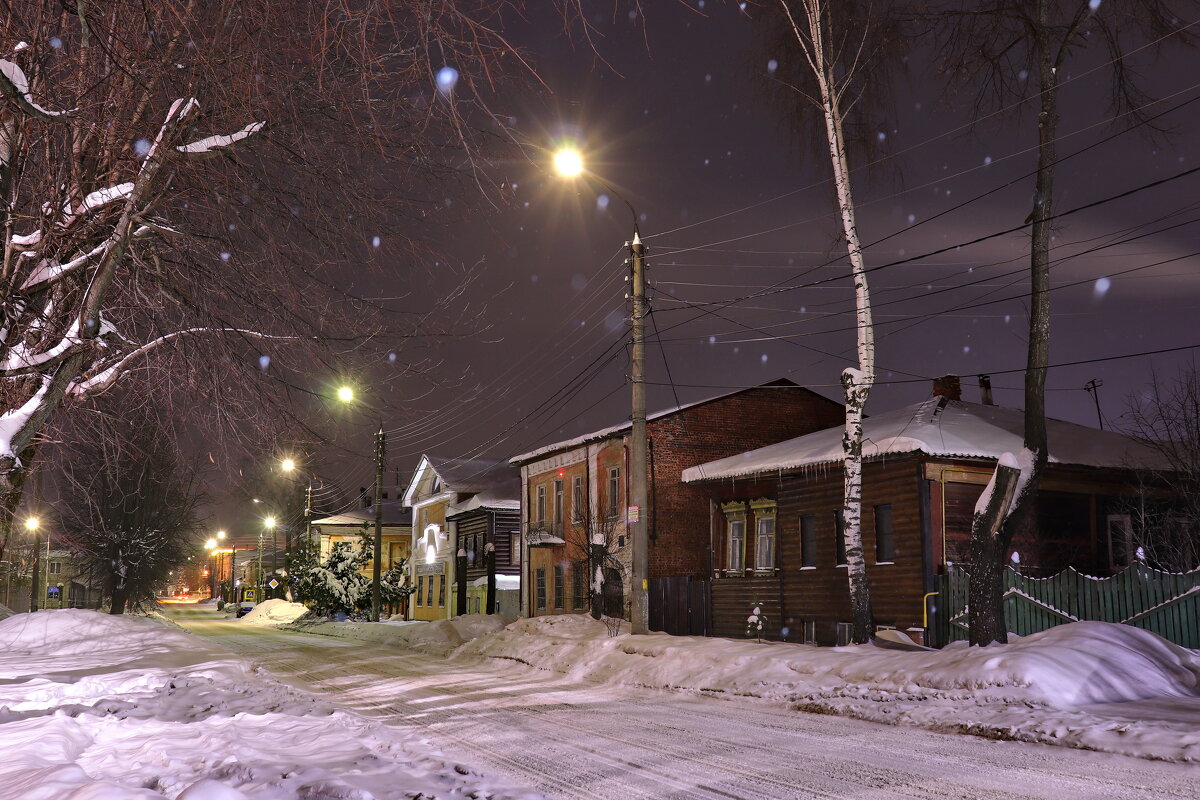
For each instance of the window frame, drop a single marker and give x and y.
(577, 498)
(540, 505)
(765, 511)
(614, 492)
(884, 534)
(515, 549)
(579, 585)
(735, 545)
(539, 589)
(560, 587)
(559, 500)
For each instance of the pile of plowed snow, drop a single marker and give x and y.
(275, 612)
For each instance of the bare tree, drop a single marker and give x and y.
(1165, 512)
(190, 190)
(133, 514)
(594, 549)
(841, 44)
(1014, 50)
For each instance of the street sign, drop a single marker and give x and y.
(634, 513)
(274, 584)
(250, 594)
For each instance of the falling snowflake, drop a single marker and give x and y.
(447, 77)
(56, 43)
(772, 65)
(987, 160)
(602, 202)
(225, 256)
(1101, 288)
(264, 362)
(141, 147)
(376, 241)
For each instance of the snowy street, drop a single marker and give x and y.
(569, 739)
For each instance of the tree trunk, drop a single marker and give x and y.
(989, 564)
(985, 593)
(489, 554)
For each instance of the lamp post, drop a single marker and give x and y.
(32, 524)
(346, 395)
(268, 524)
(569, 163)
(211, 547)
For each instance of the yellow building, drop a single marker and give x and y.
(348, 525)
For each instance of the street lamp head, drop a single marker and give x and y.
(220, 535)
(269, 522)
(345, 394)
(32, 523)
(211, 544)
(287, 464)
(568, 163)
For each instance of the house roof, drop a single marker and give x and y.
(614, 430)
(493, 482)
(394, 513)
(938, 427)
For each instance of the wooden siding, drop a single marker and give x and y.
(734, 598)
(820, 594)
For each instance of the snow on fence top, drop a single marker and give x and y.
(938, 427)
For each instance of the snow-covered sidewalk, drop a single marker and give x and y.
(1092, 685)
(96, 707)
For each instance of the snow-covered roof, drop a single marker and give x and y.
(938, 427)
(613, 430)
(493, 482)
(394, 513)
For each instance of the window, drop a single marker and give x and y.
(441, 591)
(839, 524)
(541, 504)
(514, 544)
(885, 548)
(420, 590)
(577, 498)
(436, 486)
(429, 592)
(560, 586)
(614, 491)
(735, 536)
(540, 584)
(55, 567)
(764, 529)
(808, 541)
(764, 546)
(579, 584)
(558, 501)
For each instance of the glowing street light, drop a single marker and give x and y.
(568, 163)
(32, 523)
(345, 394)
(288, 464)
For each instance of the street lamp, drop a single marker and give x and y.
(268, 524)
(346, 395)
(570, 164)
(32, 525)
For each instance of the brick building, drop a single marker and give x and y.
(575, 493)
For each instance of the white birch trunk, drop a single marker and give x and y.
(856, 381)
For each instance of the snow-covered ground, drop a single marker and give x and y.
(1092, 685)
(96, 707)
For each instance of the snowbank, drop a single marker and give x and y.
(439, 637)
(1055, 686)
(275, 612)
(109, 708)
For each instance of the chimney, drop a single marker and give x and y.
(947, 386)
(985, 390)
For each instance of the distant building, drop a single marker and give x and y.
(347, 526)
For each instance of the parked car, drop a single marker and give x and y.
(245, 607)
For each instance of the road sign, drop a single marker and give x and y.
(250, 594)
(274, 584)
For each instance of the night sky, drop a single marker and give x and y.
(684, 124)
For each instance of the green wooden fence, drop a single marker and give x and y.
(1166, 603)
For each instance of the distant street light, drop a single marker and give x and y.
(346, 395)
(33, 524)
(569, 163)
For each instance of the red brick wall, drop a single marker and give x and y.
(679, 513)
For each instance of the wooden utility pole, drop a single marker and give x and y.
(637, 511)
(377, 561)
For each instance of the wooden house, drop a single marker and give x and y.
(347, 526)
(775, 514)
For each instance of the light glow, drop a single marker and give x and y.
(288, 464)
(269, 522)
(568, 163)
(32, 523)
(345, 394)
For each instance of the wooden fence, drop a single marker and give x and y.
(1166, 603)
(680, 606)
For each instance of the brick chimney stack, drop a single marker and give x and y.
(985, 390)
(948, 386)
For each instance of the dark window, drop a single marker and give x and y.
(558, 501)
(429, 592)
(839, 523)
(420, 590)
(540, 600)
(579, 584)
(885, 549)
(560, 586)
(577, 498)
(441, 591)
(55, 567)
(541, 504)
(808, 541)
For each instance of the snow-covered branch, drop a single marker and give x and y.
(15, 86)
(211, 145)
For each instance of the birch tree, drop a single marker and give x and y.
(838, 43)
(191, 190)
(1015, 50)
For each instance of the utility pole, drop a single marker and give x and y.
(377, 561)
(307, 520)
(1092, 387)
(637, 511)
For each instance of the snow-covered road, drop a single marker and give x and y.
(576, 740)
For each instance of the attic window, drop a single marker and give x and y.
(437, 484)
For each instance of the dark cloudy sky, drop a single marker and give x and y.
(681, 121)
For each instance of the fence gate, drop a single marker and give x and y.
(1166, 603)
(679, 606)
